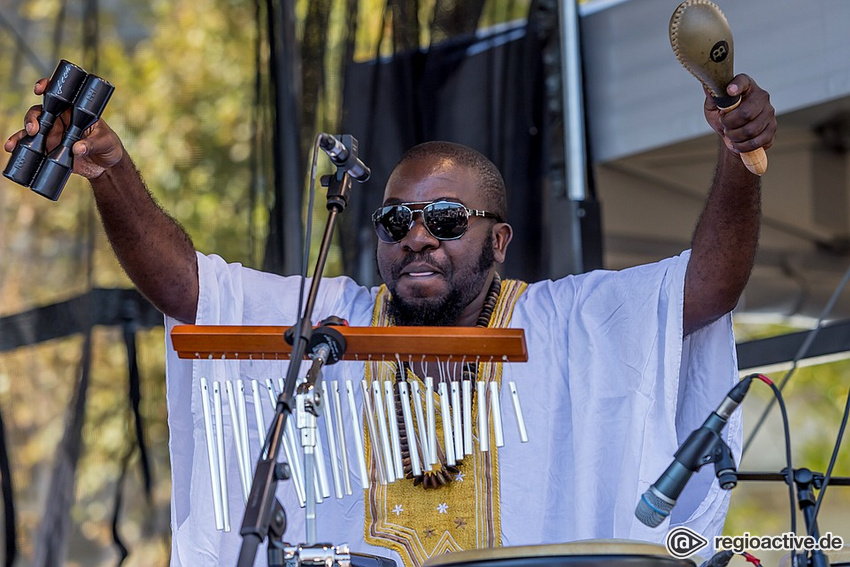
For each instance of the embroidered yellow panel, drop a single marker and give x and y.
(464, 514)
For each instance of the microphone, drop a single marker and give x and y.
(345, 156)
(656, 503)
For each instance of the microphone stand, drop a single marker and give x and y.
(806, 482)
(263, 512)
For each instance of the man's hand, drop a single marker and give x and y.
(152, 247)
(751, 124)
(98, 150)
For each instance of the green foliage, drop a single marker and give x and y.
(184, 74)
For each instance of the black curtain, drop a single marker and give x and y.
(485, 91)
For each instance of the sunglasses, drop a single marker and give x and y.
(444, 220)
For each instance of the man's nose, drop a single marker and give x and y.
(418, 238)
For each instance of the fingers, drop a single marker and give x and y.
(99, 149)
(30, 119)
(40, 86)
(99, 139)
(740, 84)
(752, 124)
(30, 128)
(13, 140)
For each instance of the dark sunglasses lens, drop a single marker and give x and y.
(446, 221)
(392, 223)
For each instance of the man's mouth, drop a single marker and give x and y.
(419, 270)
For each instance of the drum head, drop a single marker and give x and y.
(587, 553)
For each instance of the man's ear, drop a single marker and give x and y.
(502, 234)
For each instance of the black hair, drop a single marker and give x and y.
(491, 184)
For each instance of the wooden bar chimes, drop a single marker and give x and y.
(386, 349)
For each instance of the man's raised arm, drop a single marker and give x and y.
(726, 236)
(152, 247)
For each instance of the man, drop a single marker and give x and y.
(622, 365)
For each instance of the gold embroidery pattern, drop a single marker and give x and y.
(462, 515)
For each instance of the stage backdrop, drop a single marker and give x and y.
(486, 92)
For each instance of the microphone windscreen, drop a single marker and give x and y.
(652, 509)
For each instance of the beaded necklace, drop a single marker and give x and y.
(444, 473)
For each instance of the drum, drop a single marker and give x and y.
(587, 553)
(368, 560)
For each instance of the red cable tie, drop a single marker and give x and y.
(752, 558)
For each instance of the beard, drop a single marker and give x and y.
(445, 310)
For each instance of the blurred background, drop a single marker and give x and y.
(597, 128)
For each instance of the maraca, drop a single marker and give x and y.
(702, 41)
(57, 166)
(59, 96)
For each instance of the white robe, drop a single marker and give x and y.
(609, 392)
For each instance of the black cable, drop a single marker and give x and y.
(308, 229)
(54, 527)
(123, 552)
(8, 499)
(135, 396)
(832, 459)
(804, 348)
(311, 192)
(789, 470)
(719, 559)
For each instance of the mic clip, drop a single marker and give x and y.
(724, 465)
(324, 334)
(344, 155)
(698, 449)
(705, 446)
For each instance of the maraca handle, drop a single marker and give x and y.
(756, 160)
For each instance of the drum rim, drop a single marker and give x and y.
(598, 547)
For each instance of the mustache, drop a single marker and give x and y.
(426, 257)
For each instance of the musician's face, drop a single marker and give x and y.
(439, 282)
